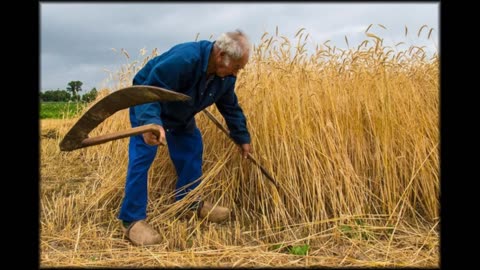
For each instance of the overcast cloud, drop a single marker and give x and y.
(76, 39)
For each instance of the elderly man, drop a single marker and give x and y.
(206, 71)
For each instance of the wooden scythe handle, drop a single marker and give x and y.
(121, 134)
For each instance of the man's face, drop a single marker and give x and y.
(227, 66)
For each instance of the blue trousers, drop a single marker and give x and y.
(185, 149)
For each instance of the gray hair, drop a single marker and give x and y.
(234, 44)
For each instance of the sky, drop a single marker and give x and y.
(82, 41)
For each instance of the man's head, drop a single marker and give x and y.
(230, 54)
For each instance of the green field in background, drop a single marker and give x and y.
(59, 110)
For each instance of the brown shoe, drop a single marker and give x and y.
(213, 213)
(142, 234)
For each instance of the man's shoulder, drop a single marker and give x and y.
(194, 47)
(189, 51)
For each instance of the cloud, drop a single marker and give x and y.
(76, 38)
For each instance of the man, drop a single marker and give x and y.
(206, 71)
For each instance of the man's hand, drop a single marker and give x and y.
(151, 138)
(245, 149)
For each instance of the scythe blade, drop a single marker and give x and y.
(77, 136)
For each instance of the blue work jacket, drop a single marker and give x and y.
(183, 69)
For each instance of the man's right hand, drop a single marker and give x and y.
(151, 138)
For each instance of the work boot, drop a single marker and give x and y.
(140, 233)
(213, 213)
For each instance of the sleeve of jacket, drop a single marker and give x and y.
(169, 73)
(234, 117)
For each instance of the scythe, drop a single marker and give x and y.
(77, 136)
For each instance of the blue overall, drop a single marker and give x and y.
(182, 69)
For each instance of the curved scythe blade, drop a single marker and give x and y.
(115, 101)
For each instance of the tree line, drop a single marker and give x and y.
(72, 93)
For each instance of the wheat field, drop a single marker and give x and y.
(351, 136)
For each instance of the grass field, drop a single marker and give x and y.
(351, 137)
(60, 110)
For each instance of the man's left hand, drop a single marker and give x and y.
(245, 149)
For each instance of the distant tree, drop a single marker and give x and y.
(90, 96)
(75, 87)
(55, 96)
